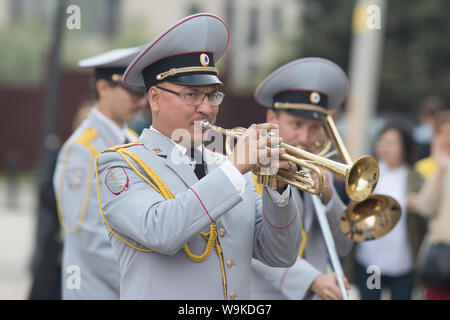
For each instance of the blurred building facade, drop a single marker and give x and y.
(261, 30)
(260, 34)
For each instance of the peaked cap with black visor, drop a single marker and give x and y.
(111, 65)
(307, 87)
(183, 54)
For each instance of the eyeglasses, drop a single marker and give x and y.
(196, 98)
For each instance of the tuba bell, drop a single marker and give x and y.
(367, 219)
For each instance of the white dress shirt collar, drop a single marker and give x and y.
(182, 150)
(119, 132)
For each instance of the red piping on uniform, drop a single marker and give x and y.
(131, 145)
(202, 204)
(304, 90)
(335, 227)
(127, 184)
(276, 226)
(282, 278)
(183, 53)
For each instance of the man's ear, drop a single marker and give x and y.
(271, 116)
(154, 98)
(102, 87)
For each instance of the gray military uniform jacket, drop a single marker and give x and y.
(248, 225)
(89, 270)
(294, 282)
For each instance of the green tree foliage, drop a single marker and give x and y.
(25, 43)
(22, 53)
(415, 60)
(416, 56)
(326, 30)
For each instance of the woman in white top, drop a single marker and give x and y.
(390, 256)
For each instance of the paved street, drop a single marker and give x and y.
(16, 236)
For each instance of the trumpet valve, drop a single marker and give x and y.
(270, 181)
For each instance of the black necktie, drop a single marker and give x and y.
(301, 194)
(200, 165)
(300, 190)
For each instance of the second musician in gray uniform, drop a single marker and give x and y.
(299, 95)
(89, 269)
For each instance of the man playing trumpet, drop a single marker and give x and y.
(184, 222)
(299, 96)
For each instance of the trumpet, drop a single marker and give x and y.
(360, 177)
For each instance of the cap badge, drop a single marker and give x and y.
(116, 77)
(204, 59)
(314, 97)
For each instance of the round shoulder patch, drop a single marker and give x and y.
(75, 178)
(117, 180)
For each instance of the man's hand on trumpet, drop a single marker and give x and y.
(260, 145)
(327, 189)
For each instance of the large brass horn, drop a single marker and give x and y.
(370, 218)
(360, 177)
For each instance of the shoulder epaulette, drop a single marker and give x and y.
(86, 137)
(121, 146)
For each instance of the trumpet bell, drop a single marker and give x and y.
(370, 219)
(362, 178)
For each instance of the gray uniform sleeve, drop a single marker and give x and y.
(293, 282)
(335, 209)
(72, 182)
(277, 234)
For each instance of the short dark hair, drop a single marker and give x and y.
(408, 144)
(93, 85)
(277, 112)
